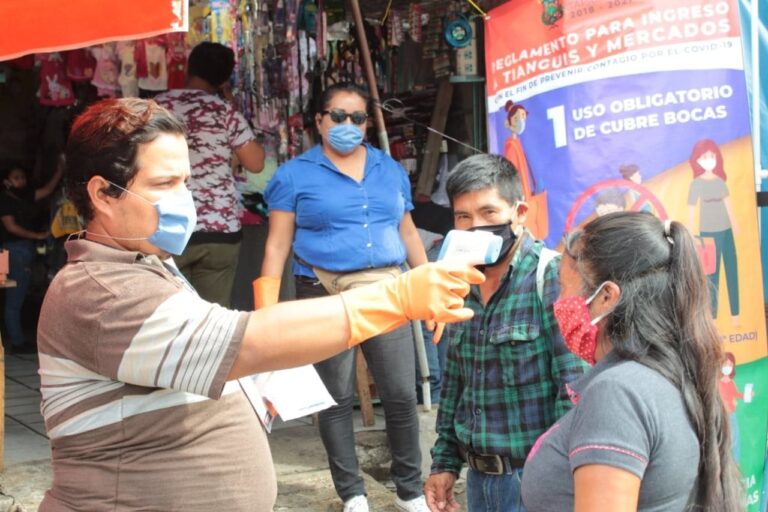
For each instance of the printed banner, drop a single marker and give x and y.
(608, 105)
(40, 26)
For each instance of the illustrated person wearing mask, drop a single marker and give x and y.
(216, 132)
(18, 235)
(138, 372)
(730, 393)
(537, 217)
(648, 431)
(716, 220)
(345, 207)
(505, 378)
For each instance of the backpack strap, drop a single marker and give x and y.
(545, 257)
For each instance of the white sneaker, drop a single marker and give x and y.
(415, 505)
(356, 504)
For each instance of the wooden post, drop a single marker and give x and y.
(363, 389)
(431, 159)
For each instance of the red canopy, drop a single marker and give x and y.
(38, 26)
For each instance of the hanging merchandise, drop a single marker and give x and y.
(107, 69)
(222, 22)
(80, 65)
(129, 83)
(156, 78)
(55, 88)
(176, 54)
(458, 31)
(415, 13)
(308, 14)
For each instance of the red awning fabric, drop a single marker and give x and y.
(38, 26)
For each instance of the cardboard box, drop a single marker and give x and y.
(3, 266)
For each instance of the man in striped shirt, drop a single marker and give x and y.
(138, 373)
(506, 372)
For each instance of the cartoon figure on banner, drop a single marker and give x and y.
(537, 220)
(631, 172)
(716, 219)
(730, 393)
(609, 196)
(609, 200)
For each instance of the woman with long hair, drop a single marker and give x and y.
(649, 430)
(716, 219)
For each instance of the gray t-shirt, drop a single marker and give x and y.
(713, 215)
(626, 416)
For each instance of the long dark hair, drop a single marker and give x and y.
(663, 320)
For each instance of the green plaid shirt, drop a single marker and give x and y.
(505, 375)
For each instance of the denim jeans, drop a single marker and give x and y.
(494, 493)
(22, 255)
(391, 359)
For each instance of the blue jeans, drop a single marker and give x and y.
(391, 359)
(494, 493)
(22, 255)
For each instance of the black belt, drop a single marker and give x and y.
(491, 464)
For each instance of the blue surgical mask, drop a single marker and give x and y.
(345, 137)
(176, 221)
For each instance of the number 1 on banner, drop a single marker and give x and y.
(557, 116)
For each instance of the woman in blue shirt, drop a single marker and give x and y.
(344, 206)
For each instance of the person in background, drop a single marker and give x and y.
(649, 431)
(730, 393)
(345, 207)
(139, 373)
(505, 378)
(20, 234)
(215, 132)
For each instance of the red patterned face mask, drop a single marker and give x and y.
(579, 330)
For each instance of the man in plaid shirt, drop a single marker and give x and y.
(507, 368)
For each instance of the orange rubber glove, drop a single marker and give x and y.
(433, 291)
(266, 291)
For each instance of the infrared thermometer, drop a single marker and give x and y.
(473, 247)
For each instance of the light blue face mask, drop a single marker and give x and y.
(345, 137)
(176, 220)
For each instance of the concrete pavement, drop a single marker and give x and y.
(304, 482)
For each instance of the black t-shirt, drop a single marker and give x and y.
(19, 204)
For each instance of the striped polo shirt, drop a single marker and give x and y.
(133, 367)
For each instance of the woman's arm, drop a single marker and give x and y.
(412, 241)
(300, 332)
(48, 188)
(279, 240)
(598, 488)
(10, 225)
(251, 156)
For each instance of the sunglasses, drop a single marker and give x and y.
(339, 116)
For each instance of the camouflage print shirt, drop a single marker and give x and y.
(214, 130)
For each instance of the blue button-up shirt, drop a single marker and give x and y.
(341, 224)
